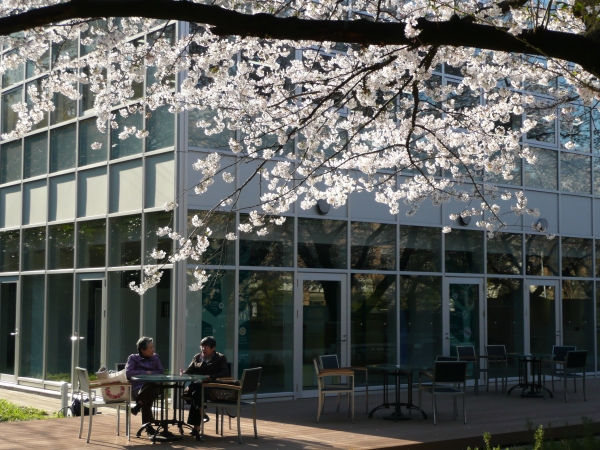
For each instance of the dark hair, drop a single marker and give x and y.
(142, 343)
(210, 341)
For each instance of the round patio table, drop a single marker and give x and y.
(530, 374)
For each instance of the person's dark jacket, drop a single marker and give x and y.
(215, 368)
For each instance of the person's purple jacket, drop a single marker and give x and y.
(138, 365)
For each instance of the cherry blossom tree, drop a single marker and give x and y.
(328, 98)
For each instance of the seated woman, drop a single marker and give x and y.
(145, 362)
(209, 363)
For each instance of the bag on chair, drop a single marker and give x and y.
(115, 393)
(106, 376)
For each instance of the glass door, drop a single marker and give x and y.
(89, 336)
(9, 331)
(463, 311)
(321, 324)
(542, 315)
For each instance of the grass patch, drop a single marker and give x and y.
(9, 412)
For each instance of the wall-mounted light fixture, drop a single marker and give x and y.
(464, 221)
(540, 225)
(323, 207)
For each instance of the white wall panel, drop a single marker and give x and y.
(575, 216)
(160, 180)
(10, 206)
(35, 202)
(547, 203)
(364, 206)
(62, 198)
(91, 200)
(126, 186)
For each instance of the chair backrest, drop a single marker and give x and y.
(466, 352)
(229, 369)
(120, 366)
(446, 358)
(450, 372)
(497, 352)
(576, 359)
(83, 378)
(560, 351)
(250, 380)
(329, 361)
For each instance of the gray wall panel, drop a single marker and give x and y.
(575, 216)
(126, 186)
(160, 180)
(91, 200)
(35, 202)
(10, 206)
(62, 197)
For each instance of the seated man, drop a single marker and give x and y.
(209, 363)
(145, 362)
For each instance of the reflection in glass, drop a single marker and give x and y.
(125, 241)
(220, 251)
(463, 313)
(197, 137)
(322, 243)
(505, 313)
(8, 325)
(12, 75)
(62, 148)
(373, 319)
(31, 332)
(41, 65)
(61, 246)
(38, 86)
(10, 162)
(373, 246)
(91, 243)
(161, 126)
(36, 155)
(34, 249)
(59, 323)
(575, 127)
(542, 318)
(9, 115)
(515, 172)
(276, 249)
(420, 319)
(88, 135)
(544, 173)
(90, 324)
(596, 162)
(157, 317)
(131, 145)
(505, 254)
(541, 256)
(544, 130)
(9, 251)
(577, 254)
(154, 221)
(64, 109)
(420, 249)
(577, 316)
(265, 333)
(464, 251)
(123, 329)
(575, 173)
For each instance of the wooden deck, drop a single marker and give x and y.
(291, 425)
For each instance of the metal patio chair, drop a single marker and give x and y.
(575, 361)
(448, 378)
(467, 353)
(497, 365)
(335, 388)
(331, 362)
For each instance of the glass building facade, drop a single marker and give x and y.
(77, 225)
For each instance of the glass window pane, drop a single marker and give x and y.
(90, 313)
(420, 249)
(8, 323)
(154, 221)
(322, 243)
(44, 116)
(420, 319)
(157, 317)
(64, 109)
(123, 319)
(61, 246)
(596, 130)
(578, 316)
(373, 246)
(198, 138)
(10, 162)
(544, 173)
(125, 241)
(34, 248)
(12, 75)
(544, 130)
(220, 250)
(161, 128)
(91, 242)
(505, 313)
(9, 115)
(577, 255)
(67, 48)
(542, 256)
(596, 175)
(62, 148)
(40, 66)
(9, 251)
(464, 251)
(36, 155)
(515, 173)
(59, 327)
(575, 173)
(373, 319)
(90, 137)
(31, 332)
(505, 254)
(131, 145)
(575, 128)
(266, 334)
(276, 249)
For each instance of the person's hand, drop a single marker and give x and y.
(149, 372)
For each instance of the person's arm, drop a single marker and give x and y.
(131, 368)
(191, 368)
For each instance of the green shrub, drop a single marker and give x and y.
(9, 412)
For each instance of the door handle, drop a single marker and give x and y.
(16, 333)
(447, 337)
(344, 338)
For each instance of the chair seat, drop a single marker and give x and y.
(443, 390)
(336, 388)
(567, 375)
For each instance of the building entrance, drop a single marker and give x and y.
(9, 331)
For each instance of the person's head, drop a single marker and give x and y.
(208, 345)
(145, 346)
